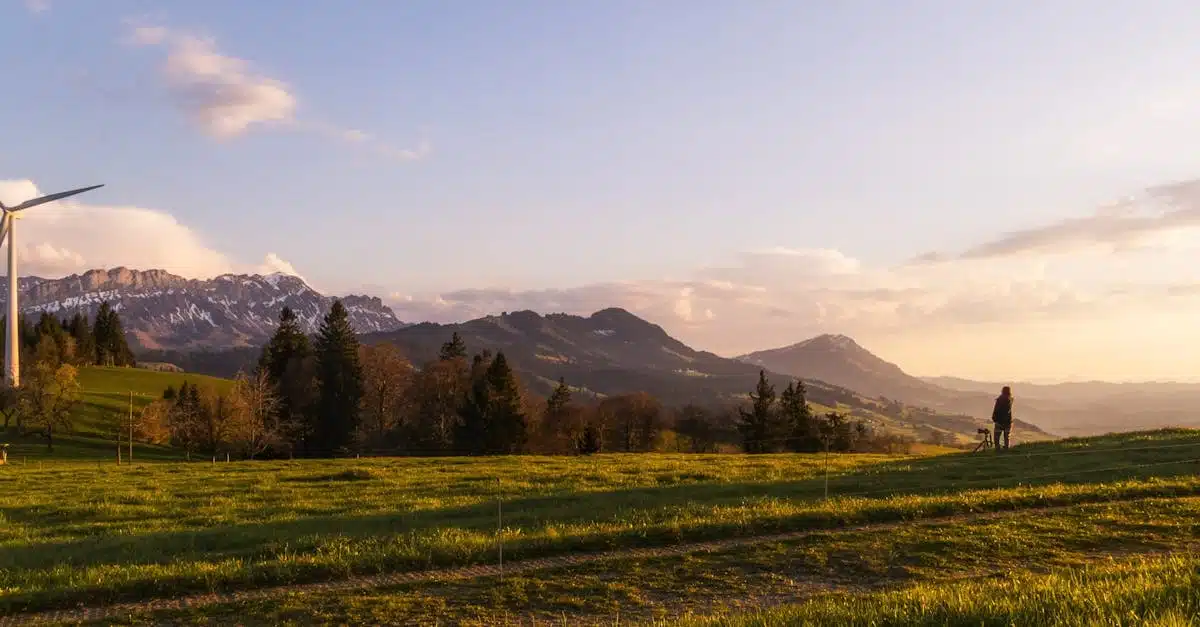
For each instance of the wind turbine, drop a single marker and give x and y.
(12, 348)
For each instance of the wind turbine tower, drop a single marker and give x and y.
(12, 342)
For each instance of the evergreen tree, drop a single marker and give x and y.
(559, 399)
(48, 326)
(339, 384)
(561, 423)
(85, 343)
(287, 343)
(492, 417)
(758, 426)
(474, 413)
(798, 419)
(454, 349)
(589, 440)
(286, 362)
(169, 394)
(508, 426)
(112, 349)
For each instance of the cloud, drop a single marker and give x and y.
(37, 6)
(1131, 223)
(227, 98)
(222, 94)
(68, 237)
(776, 296)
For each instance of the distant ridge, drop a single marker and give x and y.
(160, 310)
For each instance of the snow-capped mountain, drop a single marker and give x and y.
(160, 310)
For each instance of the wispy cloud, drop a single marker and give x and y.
(1131, 223)
(37, 6)
(227, 97)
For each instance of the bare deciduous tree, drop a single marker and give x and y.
(254, 425)
(387, 376)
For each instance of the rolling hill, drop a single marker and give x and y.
(103, 408)
(613, 351)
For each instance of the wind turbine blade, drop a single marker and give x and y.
(52, 197)
(4, 222)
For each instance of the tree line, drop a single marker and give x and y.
(329, 395)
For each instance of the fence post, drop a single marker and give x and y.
(826, 468)
(500, 526)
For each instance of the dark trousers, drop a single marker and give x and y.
(1002, 430)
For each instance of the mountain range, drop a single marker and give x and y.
(163, 311)
(216, 326)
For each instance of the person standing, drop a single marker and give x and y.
(1002, 416)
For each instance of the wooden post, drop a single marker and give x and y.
(131, 426)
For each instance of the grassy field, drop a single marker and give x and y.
(103, 407)
(75, 533)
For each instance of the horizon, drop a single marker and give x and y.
(707, 166)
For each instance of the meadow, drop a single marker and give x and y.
(1099, 527)
(92, 533)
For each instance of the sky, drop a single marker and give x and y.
(984, 189)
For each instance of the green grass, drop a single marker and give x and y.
(104, 407)
(77, 532)
(1161, 591)
(105, 397)
(668, 589)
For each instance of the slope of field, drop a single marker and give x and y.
(81, 534)
(103, 408)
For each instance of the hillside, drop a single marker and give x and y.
(840, 360)
(105, 396)
(162, 311)
(613, 351)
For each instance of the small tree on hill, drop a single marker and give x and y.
(453, 349)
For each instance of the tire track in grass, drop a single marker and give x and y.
(368, 582)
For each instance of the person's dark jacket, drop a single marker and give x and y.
(1002, 412)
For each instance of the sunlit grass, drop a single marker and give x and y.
(1163, 591)
(83, 532)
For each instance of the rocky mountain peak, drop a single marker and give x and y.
(161, 310)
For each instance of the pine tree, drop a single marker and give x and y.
(102, 333)
(49, 326)
(339, 384)
(560, 428)
(798, 419)
(454, 349)
(559, 399)
(758, 425)
(285, 361)
(474, 413)
(589, 440)
(112, 349)
(287, 343)
(508, 428)
(85, 342)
